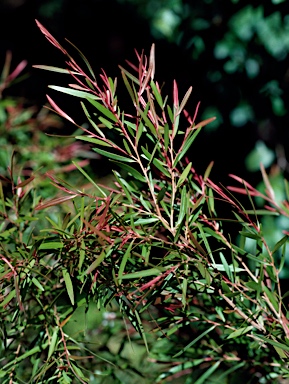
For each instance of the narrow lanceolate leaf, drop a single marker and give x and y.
(139, 132)
(74, 92)
(59, 110)
(240, 332)
(94, 140)
(84, 59)
(129, 75)
(95, 126)
(102, 109)
(184, 175)
(269, 189)
(157, 94)
(90, 179)
(146, 120)
(53, 202)
(208, 170)
(144, 273)
(68, 284)
(136, 174)
(161, 194)
(128, 87)
(183, 206)
(55, 69)
(114, 156)
(185, 99)
(106, 252)
(200, 337)
(53, 342)
(152, 61)
(279, 244)
(124, 261)
(186, 146)
(160, 165)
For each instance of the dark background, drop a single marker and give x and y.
(108, 31)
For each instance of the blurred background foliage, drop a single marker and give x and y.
(234, 53)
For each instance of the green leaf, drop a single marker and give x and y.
(279, 244)
(146, 221)
(184, 175)
(114, 156)
(139, 132)
(38, 285)
(89, 179)
(108, 124)
(157, 94)
(161, 194)
(189, 141)
(52, 344)
(124, 261)
(271, 297)
(94, 141)
(200, 337)
(128, 87)
(284, 347)
(104, 110)
(161, 166)
(55, 69)
(95, 126)
(146, 120)
(129, 75)
(106, 252)
(183, 206)
(240, 331)
(83, 58)
(144, 273)
(136, 174)
(51, 245)
(73, 92)
(68, 284)
(208, 373)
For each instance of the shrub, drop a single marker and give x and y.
(196, 305)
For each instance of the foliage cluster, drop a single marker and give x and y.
(137, 281)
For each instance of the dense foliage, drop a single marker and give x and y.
(134, 279)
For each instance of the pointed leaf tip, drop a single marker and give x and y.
(59, 110)
(152, 61)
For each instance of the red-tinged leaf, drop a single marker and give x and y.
(243, 191)
(188, 116)
(185, 99)
(97, 232)
(269, 190)
(146, 80)
(17, 70)
(152, 61)
(240, 180)
(53, 202)
(176, 95)
(25, 182)
(50, 38)
(56, 69)
(59, 111)
(132, 65)
(204, 122)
